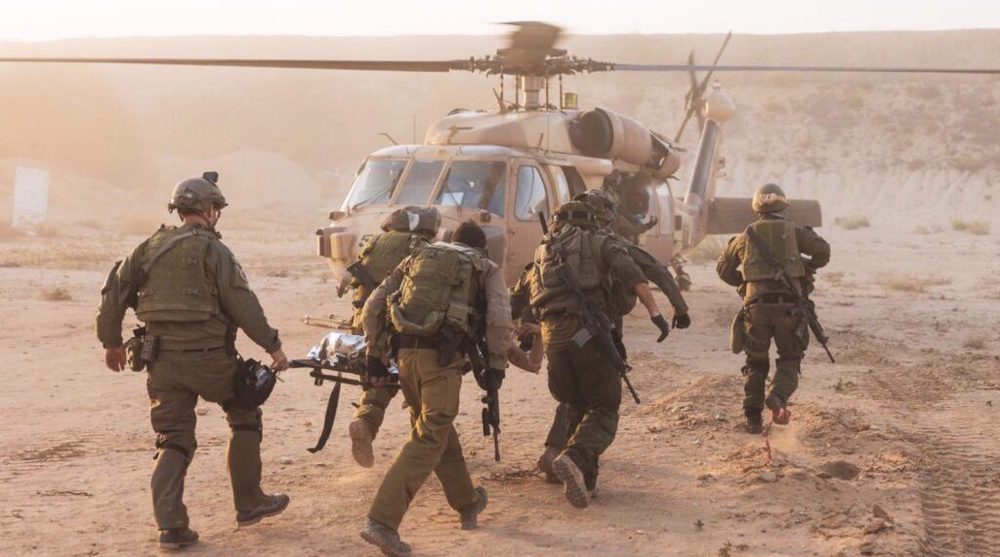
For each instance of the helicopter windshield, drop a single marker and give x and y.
(475, 185)
(419, 182)
(375, 182)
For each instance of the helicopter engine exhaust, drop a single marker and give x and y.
(605, 134)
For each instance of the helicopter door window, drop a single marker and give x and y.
(375, 182)
(530, 197)
(475, 185)
(562, 186)
(419, 183)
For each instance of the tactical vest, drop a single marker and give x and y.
(779, 235)
(580, 250)
(440, 288)
(176, 287)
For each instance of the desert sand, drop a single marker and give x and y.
(891, 451)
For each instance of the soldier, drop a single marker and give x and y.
(437, 300)
(405, 230)
(769, 308)
(621, 302)
(572, 271)
(192, 295)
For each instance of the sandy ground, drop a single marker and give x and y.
(891, 451)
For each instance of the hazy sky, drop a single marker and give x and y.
(48, 19)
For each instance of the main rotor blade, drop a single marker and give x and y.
(715, 64)
(362, 65)
(761, 69)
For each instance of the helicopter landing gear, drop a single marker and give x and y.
(683, 279)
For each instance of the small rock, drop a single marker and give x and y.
(797, 474)
(640, 532)
(879, 512)
(307, 423)
(875, 526)
(201, 411)
(286, 460)
(767, 476)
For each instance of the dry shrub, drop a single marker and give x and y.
(913, 283)
(974, 342)
(967, 163)
(927, 229)
(977, 227)
(56, 295)
(853, 222)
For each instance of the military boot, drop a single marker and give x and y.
(755, 424)
(272, 505)
(780, 414)
(545, 465)
(470, 514)
(361, 443)
(386, 539)
(572, 478)
(177, 538)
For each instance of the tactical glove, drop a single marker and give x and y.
(682, 321)
(662, 325)
(492, 379)
(375, 369)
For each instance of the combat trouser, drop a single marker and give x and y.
(591, 387)
(174, 382)
(432, 394)
(371, 407)
(785, 325)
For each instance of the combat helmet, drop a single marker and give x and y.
(576, 213)
(769, 198)
(196, 195)
(604, 204)
(419, 220)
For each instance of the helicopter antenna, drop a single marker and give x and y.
(389, 137)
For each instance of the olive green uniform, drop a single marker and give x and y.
(768, 307)
(432, 390)
(380, 255)
(622, 301)
(193, 298)
(582, 376)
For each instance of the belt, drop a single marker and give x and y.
(212, 349)
(416, 343)
(774, 299)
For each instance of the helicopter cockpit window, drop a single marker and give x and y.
(419, 182)
(475, 185)
(376, 182)
(530, 193)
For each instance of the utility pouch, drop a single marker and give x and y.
(738, 332)
(253, 384)
(150, 349)
(133, 350)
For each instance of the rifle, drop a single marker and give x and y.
(491, 412)
(361, 274)
(588, 316)
(807, 309)
(341, 353)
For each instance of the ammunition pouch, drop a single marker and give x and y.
(252, 385)
(738, 332)
(149, 349)
(133, 350)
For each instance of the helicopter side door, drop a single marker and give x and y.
(531, 195)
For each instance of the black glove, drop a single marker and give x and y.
(492, 379)
(661, 324)
(375, 369)
(682, 321)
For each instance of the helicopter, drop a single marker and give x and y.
(502, 168)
